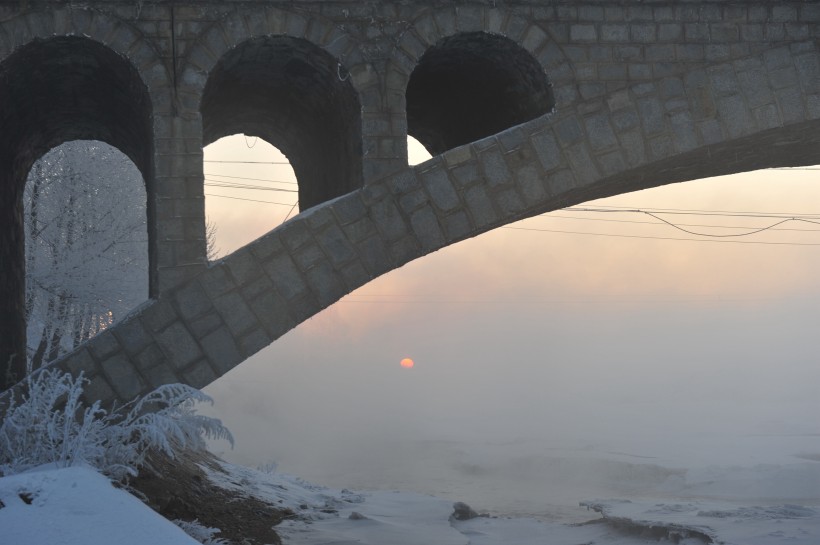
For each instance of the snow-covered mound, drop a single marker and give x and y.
(77, 506)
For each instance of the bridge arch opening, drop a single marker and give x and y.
(299, 98)
(86, 245)
(472, 85)
(250, 188)
(52, 91)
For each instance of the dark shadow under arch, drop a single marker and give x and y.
(299, 98)
(53, 91)
(473, 85)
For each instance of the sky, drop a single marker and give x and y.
(668, 347)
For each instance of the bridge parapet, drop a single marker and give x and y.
(644, 94)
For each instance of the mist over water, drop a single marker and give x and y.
(529, 408)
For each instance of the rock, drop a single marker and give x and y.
(462, 511)
(357, 516)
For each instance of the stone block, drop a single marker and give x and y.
(216, 281)
(236, 313)
(530, 184)
(303, 308)
(389, 220)
(767, 117)
(723, 80)
(81, 361)
(582, 164)
(103, 345)
(612, 163)
(568, 131)
(616, 72)
(285, 276)
(361, 229)
(790, 102)
(308, 255)
(632, 143)
(221, 350)
(160, 375)
(294, 234)
(735, 116)
(480, 206)
(457, 226)
(123, 377)
(178, 344)
(615, 33)
(643, 33)
(683, 131)
(335, 245)
(243, 266)
(509, 202)
(583, 33)
(266, 246)
(132, 335)
(440, 189)
(151, 357)
(425, 225)
(272, 311)
(651, 114)
(784, 13)
(670, 32)
(199, 374)
(495, 168)
(546, 149)
(253, 342)
(600, 133)
(191, 300)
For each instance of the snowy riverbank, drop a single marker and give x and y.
(76, 506)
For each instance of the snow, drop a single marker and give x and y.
(77, 506)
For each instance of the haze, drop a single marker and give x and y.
(547, 365)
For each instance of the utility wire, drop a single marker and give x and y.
(249, 200)
(232, 185)
(251, 179)
(692, 212)
(662, 238)
(247, 162)
(638, 222)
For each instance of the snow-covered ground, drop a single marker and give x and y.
(76, 506)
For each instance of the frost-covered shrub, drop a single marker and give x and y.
(51, 425)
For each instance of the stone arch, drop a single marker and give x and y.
(295, 96)
(450, 53)
(54, 90)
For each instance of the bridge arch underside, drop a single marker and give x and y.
(792, 145)
(298, 98)
(472, 85)
(53, 91)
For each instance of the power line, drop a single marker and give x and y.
(247, 162)
(637, 222)
(662, 238)
(251, 179)
(219, 183)
(693, 212)
(249, 200)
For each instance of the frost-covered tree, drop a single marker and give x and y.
(86, 245)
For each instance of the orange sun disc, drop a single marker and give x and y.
(407, 363)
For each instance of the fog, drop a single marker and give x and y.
(551, 368)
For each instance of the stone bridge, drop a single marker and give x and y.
(527, 106)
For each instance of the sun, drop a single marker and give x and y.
(407, 363)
